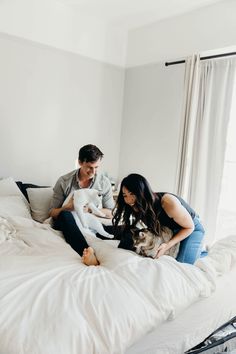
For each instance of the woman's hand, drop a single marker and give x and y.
(162, 250)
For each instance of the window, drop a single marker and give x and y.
(226, 219)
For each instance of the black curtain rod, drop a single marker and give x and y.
(202, 58)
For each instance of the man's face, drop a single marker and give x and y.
(89, 169)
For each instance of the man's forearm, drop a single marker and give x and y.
(69, 206)
(56, 211)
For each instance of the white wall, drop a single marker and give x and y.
(45, 92)
(55, 24)
(153, 92)
(150, 129)
(53, 102)
(208, 28)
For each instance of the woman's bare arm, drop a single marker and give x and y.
(175, 210)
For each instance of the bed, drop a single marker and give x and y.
(51, 303)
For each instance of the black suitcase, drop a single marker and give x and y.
(222, 340)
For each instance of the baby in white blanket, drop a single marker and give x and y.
(87, 197)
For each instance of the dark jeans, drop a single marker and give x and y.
(65, 222)
(121, 234)
(190, 247)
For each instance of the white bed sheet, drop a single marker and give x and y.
(194, 324)
(51, 303)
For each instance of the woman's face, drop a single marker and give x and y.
(128, 196)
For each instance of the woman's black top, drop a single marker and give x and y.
(165, 220)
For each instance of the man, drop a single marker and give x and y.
(85, 177)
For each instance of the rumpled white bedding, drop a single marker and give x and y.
(51, 303)
(203, 317)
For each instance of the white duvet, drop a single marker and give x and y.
(51, 303)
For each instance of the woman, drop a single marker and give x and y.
(137, 203)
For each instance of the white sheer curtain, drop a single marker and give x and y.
(206, 117)
(191, 88)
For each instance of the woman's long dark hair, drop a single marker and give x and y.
(145, 208)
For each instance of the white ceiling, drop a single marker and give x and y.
(134, 13)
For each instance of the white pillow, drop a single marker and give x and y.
(40, 199)
(9, 187)
(13, 206)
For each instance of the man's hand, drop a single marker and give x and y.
(107, 212)
(86, 209)
(70, 205)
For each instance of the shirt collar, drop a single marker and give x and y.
(77, 179)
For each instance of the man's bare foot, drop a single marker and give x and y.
(89, 257)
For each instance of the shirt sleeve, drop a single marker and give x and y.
(107, 196)
(58, 195)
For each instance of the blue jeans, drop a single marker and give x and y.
(190, 247)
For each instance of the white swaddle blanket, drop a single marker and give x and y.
(90, 198)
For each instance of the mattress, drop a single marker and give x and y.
(194, 324)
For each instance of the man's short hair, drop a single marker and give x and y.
(90, 153)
